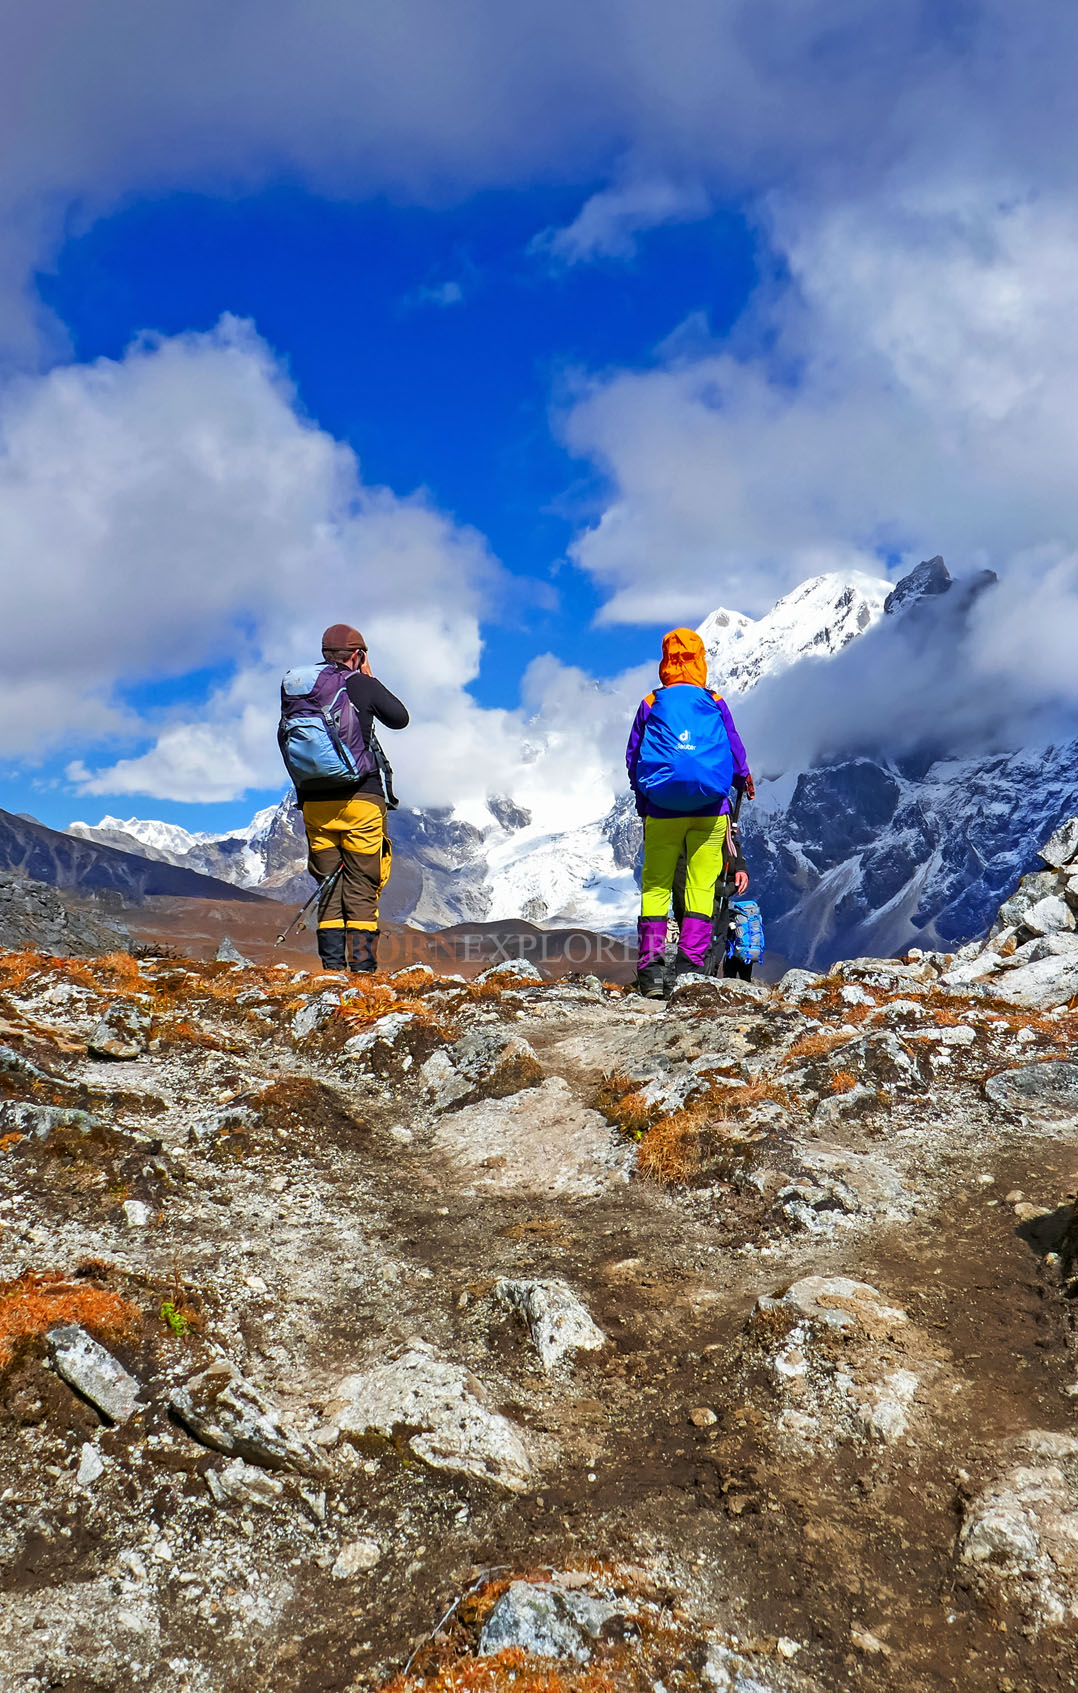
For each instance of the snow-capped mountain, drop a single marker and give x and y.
(867, 857)
(251, 857)
(816, 620)
(868, 853)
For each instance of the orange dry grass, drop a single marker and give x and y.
(815, 1046)
(32, 1304)
(505, 1672)
(671, 1150)
(843, 1081)
(623, 1103)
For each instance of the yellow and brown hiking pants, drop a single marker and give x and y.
(349, 832)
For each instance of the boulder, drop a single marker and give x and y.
(488, 1059)
(557, 1320)
(314, 1013)
(837, 1358)
(706, 993)
(549, 1621)
(92, 1371)
(1019, 1534)
(519, 969)
(122, 1033)
(243, 1484)
(224, 1410)
(443, 1411)
(1041, 986)
(542, 1140)
(1048, 1090)
(1049, 916)
(796, 982)
(1029, 892)
(1062, 847)
(229, 953)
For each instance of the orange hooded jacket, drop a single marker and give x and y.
(683, 660)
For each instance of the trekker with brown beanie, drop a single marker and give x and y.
(329, 744)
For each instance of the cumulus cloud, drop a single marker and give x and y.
(608, 224)
(173, 513)
(912, 390)
(427, 100)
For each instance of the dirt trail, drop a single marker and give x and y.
(325, 1181)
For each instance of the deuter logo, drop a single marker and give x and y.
(683, 737)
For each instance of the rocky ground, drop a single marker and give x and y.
(432, 1334)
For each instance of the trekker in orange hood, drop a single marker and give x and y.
(683, 660)
(684, 756)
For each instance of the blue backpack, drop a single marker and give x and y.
(685, 761)
(320, 736)
(745, 940)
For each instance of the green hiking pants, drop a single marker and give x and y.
(665, 838)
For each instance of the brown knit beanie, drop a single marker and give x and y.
(341, 637)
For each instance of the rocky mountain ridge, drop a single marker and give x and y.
(428, 1336)
(63, 860)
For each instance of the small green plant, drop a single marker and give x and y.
(177, 1322)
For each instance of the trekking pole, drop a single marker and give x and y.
(322, 888)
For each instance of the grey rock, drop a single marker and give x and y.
(230, 1119)
(1018, 1530)
(705, 991)
(1062, 847)
(229, 953)
(541, 1140)
(1049, 916)
(1048, 1090)
(224, 1410)
(493, 1058)
(92, 1371)
(314, 1013)
(13, 1063)
(443, 1408)
(835, 1302)
(1056, 945)
(35, 914)
(521, 969)
(794, 983)
(40, 1121)
(816, 1208)
(1041, 986)
(356, 1557)
(122, 1033)
(728, 1669)
(557, 1320)
(548, 1621)
(91, 1465)
(243, 1484)
(1029, 892)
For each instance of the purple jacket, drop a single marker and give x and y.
(646, 807)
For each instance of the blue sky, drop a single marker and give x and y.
(455, 397)
(517, 335)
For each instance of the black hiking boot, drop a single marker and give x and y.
(364, 952)
(687, 967)
(331, 949)
(651, 980)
